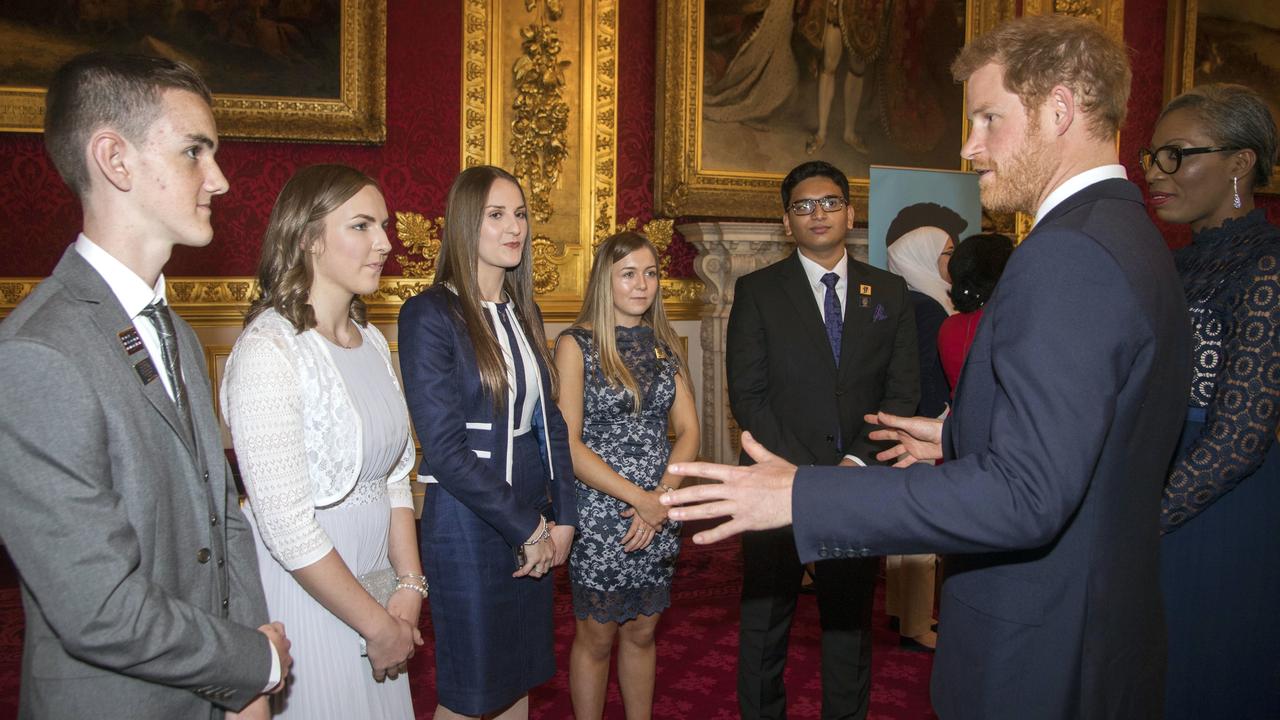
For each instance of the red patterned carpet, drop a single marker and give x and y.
(697, 653)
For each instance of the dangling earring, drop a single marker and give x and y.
(1235, 194)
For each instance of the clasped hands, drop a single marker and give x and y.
(546, 553)
(758, 497)
(647, 517)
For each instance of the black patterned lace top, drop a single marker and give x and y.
(1232, 282)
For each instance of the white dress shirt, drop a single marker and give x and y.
(814, 272)
(1076, 183)
(134, 295)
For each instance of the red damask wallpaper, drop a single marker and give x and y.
(420, 157)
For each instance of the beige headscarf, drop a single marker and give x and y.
(914, 256)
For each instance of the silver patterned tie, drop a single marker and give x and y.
(158, 313)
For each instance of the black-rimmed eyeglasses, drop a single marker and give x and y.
(830, 203)
(1169, 157)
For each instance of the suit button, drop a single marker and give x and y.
(213, 519)
(831, 438)
(822, 552)
(839, 393)
(226, 603)
(221, 562)
(206, 477)
(202, 555)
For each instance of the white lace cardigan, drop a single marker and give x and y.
(298, 439)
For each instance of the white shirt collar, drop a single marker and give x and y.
(814, 271)
(132, 291)
(1076, 183)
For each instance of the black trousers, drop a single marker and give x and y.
(770, 583)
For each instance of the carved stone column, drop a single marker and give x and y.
(726, 252)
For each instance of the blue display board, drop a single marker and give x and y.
(895, 190)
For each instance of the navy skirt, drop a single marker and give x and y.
(1220, 574)
(493, 633)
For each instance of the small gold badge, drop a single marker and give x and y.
(864, 289)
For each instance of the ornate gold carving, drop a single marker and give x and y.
(13, 290)
(604, 120)
(1078, 8)
(420, 237)
(477, 37)
(539, 129)
(1108, 12)
(546, 274)
(359, 114)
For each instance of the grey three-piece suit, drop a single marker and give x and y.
(139, 578)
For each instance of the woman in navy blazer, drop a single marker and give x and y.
(499, 509)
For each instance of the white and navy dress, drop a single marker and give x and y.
(494, 469)
(610, 584)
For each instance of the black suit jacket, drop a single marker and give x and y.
(784, 386)
(1068, 410)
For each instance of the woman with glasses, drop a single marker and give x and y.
(1220, 559)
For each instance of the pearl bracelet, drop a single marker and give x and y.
(416, 583)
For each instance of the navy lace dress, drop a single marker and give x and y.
(610, 585)
(1220, 556)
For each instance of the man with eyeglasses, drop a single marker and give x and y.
(1064, 423)
(815, 342)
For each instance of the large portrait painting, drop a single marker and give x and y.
(281, 69)
(752, 88)
(1234, 41)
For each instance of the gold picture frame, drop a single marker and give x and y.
(1183, 63)
(683, 186)
(356, 114)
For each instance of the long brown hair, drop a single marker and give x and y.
(297, 221)
(456, 267)
(598, 311)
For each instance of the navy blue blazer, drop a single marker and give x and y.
(1068, 410)
(464, 437)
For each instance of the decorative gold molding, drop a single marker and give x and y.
(1108, 12)
(220, 302)
(540, 123)
(358, 114)
(421, 238)
(496, 47)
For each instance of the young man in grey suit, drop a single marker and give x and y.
(1064, 421)
(815, 341)
(139, 577)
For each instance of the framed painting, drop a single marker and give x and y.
(751, 88)
(1235, 41)
(280, 70)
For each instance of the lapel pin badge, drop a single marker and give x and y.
(864, 290)
(130, 339)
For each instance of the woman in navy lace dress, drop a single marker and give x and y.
(623, 382)
(1220, 558)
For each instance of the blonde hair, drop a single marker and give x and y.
(1041, 51)
(598, 312)
(296, 222)
(456, 266)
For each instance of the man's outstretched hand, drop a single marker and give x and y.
(753, 497)
(915, 438)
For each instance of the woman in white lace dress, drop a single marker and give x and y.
(322, 438)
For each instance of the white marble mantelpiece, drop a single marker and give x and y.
(726, 252)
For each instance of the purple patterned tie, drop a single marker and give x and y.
(831, 315)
